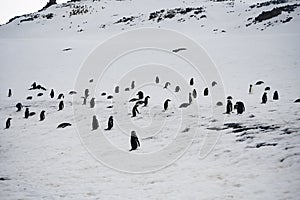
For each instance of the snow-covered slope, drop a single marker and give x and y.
(257, 154)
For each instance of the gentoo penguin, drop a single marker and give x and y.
(103, 93)
(91, 80)
(61, 105)
(19, 107)
(64, 125)
(40, 94)
(132, 85)
(259, 82)
(61, 96)
(86, 93)
(228, 106)
(250, 89)
(110, 97)
(42, 115)
(134, 141)
(126, 89)
(146, 101)
(52, 94)
(205, 92)
(239, 106)
(166, 85)
(156, 79)
(135, 110)
(166, 104)
(7, 125)
(95, 123)
(117, 89)
(194, 93)
(9, 93)
(275, 96)
(29, 98)
(267, 88)
(26, 113)
(72, 92)
(264, 98)
(140, 96)
(84, 101)
(33, 86)
(92, 103)
(177, 88)
(110, 123)
(191, 81)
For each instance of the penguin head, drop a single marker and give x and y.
(168, 100)
(133, 133)
(147, 97)
(9, 118)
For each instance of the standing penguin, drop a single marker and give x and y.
(117, 89)
(177, 88)
(110, 123)
(26, 113)
(134, 141)
(7, 125)
(84, 101)
(146, 101)
(61, 105)
(61, 96)
(135, 110)
(205, 92)
(166, 104)
(42, 115)
(250, 89)
(275, 96)
(156, 80)
(264, 98)
(92, 103)
(9, 93)
(190, 98)
(19, 107)
(228, 106)
(52, 94)
(140, 95)
(132, 85)
(194, 93)
(239, 106)
(86, 93)
(95, 123)
(192, 82)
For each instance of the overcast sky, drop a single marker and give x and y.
(11, 8)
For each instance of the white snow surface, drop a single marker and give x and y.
(39, 161)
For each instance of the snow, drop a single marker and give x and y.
(42, 162)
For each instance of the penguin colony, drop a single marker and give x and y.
(139, 100)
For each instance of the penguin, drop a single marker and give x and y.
(64, 125)
(140, 95)
(110, 123)
(275, 95)
(135, 110)
(84, 101)
(95, 123)
(190, 98)
(250, 89)
(205, 92)
(117, 89)
(61, 96)
(29, 98)
(194, 93)
(264, 98)
(214, 83)
(259, 82)
(42, 115)
(7, 125)
(177, 88)
(134, 141)
(132, 85)
(19, 107)
(92, 103)
(9, 93)
(228, 106)
(110, 97)
(33, 86)
(166, 85)
(240, 107)
(91, 80)
(267, 88)
(191, 81)
(40, 87)
(61, 105)
(52, 94)
(166, 104)
(103, 93)
(86, 93)
(126, 89)
(26, 113)
(40, 94)
(156, 79)
(72, 92)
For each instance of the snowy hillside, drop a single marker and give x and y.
(257, 153)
